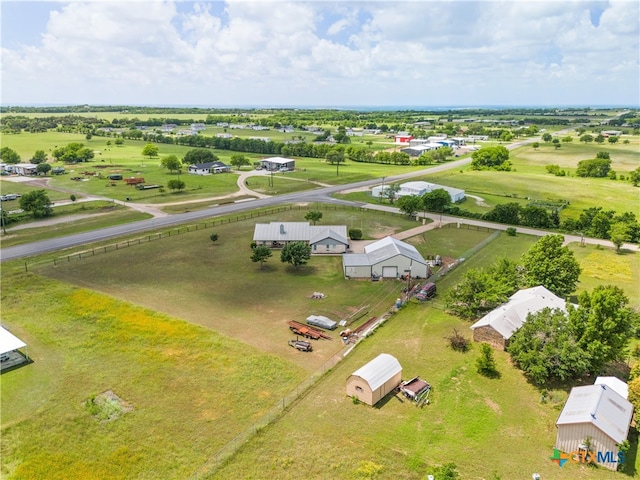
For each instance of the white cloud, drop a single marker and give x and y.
(321, 53)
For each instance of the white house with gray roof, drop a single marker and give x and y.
(323, 239)
(597, 413)
(497, 326)
(386, 258)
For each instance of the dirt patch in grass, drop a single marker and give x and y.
(107, 406)
(492, 405)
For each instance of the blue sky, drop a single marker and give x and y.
(321, 53)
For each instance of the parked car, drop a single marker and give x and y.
(301, 345)
(427, 292)
(9, 196)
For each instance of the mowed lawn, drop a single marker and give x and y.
(193, 389)
(490, 428)
(216, 285)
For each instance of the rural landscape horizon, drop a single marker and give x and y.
(326, 240)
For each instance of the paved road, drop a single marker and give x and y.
(319, 195)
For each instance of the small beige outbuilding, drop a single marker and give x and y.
(371, 382)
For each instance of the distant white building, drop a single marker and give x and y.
(277, 163)
(208, 168)
(25, 169)
(420, 188)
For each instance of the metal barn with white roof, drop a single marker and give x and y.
(497, 326)
(371, 382)
(386, 258)
(597, 413)
(420, 188)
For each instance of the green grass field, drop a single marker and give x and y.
(197, 376)
(192, 334)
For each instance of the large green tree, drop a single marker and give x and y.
(508, 213)
(496, 158)
(43, 168)
(603, 323)
(619, 233)
(73, 153)
(552, 265)
(8, 155)
(480, 291)
(409, 204)
(436, 200)
(546, 349)
(296, 253)
(596, 167)
(261, 254)
(37, 203)
(150, 150)
(313, 216)
(238, 160)
(172, 163)
(390, 192)
(198, 156)
(39, 156)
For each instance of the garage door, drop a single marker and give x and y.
(389, 272)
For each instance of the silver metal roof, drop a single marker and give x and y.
(379, 370)
(601, 406)
(508, 318)
(389, 247)
(299, 232)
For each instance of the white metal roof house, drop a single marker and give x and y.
(497, 326)
(420, 188)
(371, 382)
(387, 258)
(327, 239)
(208, 168)
(596, 413)
(277, 163)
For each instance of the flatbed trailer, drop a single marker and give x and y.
(307, 331)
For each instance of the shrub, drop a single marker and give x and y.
(458, 342)
(486, 364)
(214, 237)
(511, 231)
(355, 234)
